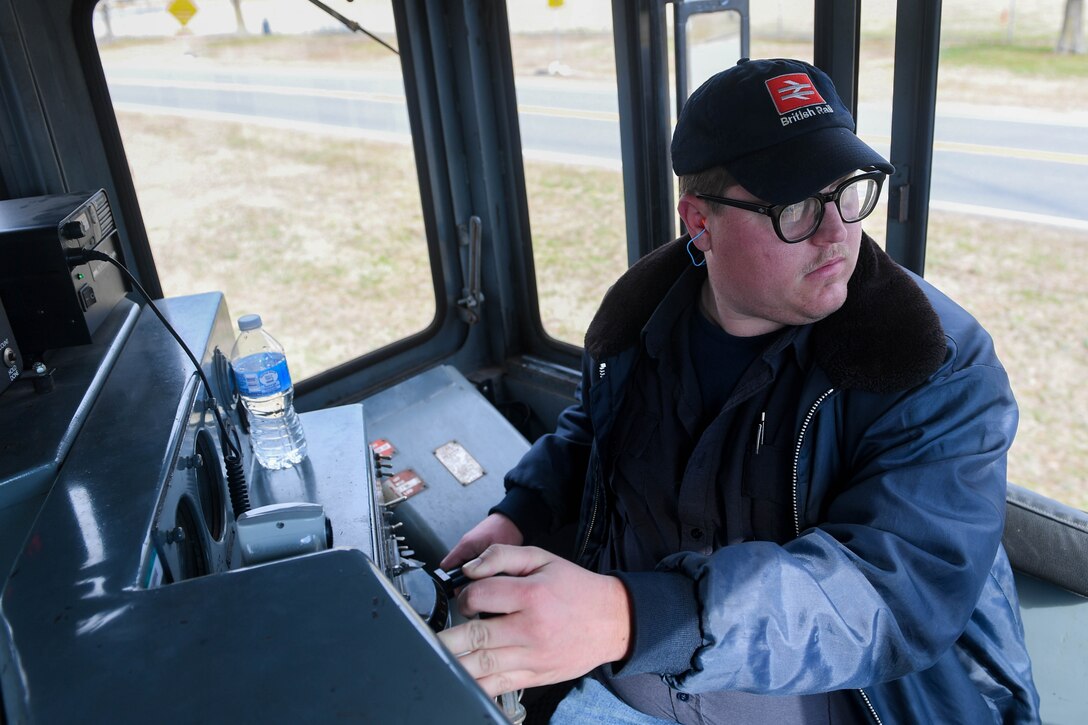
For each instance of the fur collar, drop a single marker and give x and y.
(886, 337)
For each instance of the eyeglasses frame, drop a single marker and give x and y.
(774, 211)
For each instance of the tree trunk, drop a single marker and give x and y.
(104, 8)
(1071, 39)
(240, 23)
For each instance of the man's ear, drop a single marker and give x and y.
(693, 212)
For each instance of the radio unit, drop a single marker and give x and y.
(49, 304)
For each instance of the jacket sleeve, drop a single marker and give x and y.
(886, 581)
(544, 488)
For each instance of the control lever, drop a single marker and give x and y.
(451, 580)
(509, 702)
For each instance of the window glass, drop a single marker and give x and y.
(714, 43)
(876, 75)
(1007, 235)
(714, 38)
(1008, 227)
(565, 77)
(564, 65)
(781, 30)
(271, 155)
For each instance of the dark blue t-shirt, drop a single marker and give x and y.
(720, 360)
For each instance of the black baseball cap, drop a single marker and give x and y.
(778, 126)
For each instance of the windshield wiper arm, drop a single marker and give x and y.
(352, 25)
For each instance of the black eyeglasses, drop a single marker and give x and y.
(855, 199)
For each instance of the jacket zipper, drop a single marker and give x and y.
(797, 457)
(868, 704)
(593, 512)
(797, 508)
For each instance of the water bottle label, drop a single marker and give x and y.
(265, 381)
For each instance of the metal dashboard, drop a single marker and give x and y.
(123, 598)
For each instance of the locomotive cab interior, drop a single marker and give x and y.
(149, 567)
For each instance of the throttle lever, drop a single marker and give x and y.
(450, 581)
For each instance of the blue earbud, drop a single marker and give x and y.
(692, 254)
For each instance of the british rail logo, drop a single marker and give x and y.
(796, 98)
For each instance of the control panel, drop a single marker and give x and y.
(131, 557)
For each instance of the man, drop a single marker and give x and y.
(789, 455)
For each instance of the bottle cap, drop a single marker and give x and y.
(249, 322)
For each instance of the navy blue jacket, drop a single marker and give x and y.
(896, 583)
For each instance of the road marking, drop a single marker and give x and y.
(1007, 152)
(1058, 157)
(344, 94)
(529, 154)
(610, 116)
(1009, 214)
(260, 88)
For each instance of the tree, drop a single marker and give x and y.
(104, 11)
(1071, 39)
(240, 21)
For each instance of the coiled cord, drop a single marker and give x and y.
(232, 456)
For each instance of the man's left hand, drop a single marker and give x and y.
(554, 621)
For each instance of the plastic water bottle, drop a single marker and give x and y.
(264, 383)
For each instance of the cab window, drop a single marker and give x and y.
(272, 159)
(565, 79)
(1016, 255)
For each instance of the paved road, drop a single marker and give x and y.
(1024, 168)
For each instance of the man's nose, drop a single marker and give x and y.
(832, 229)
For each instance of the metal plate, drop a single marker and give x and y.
(459, 462)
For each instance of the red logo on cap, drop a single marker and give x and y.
(792, 91)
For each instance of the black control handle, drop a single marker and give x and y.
(450, 581)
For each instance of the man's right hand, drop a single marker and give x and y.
(495, 529)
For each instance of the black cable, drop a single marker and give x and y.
(77, 257)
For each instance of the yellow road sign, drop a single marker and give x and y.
(183, 10)
(555, 3)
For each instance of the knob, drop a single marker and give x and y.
(73, 230)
